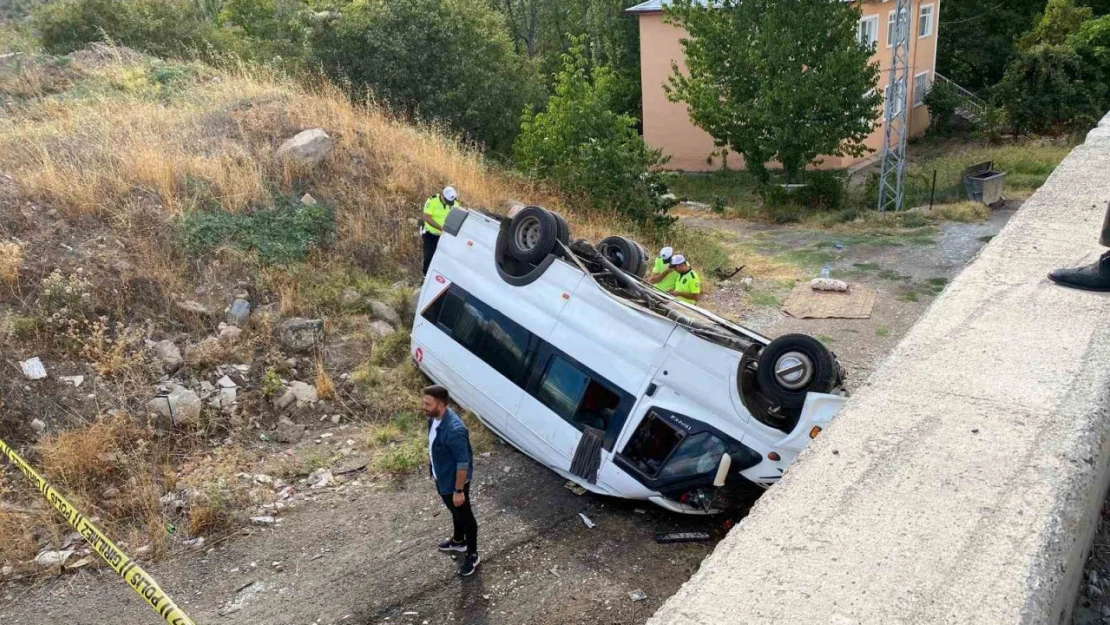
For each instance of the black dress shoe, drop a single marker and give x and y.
(1093, 277)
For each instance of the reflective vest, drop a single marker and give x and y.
(437, 210)
(666, 284)
(688, 283)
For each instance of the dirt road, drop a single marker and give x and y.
(365, 553)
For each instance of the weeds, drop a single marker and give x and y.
(11, 261)
(325, 388)
(283, 233)
(882, 331)
(65, 300)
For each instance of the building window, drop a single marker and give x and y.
(891, 24)
(920, 88)
(868, 32)
(925, 21)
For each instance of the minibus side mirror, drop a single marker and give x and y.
(722, 470)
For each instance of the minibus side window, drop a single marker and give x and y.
(651, 444)
(698, 454)
(576, 396)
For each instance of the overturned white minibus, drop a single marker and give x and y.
(565, 353)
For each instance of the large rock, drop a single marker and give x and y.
(300, 335)
(307, 148)
(288, 432)
(178, 406)
(240, 313)
(381, 330)
(168, 354)
(384, 311)
(303, 392)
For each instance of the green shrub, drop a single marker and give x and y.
(1048, 88)
(164, 28)
(448, 61)
(283, 233)
(589, 150)
(942, 100)
(64, 300)
(824, 191)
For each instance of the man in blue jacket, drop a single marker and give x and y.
(452, 468)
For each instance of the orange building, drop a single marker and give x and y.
(667, 125)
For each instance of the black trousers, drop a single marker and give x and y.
(466, 526)
(431, 241)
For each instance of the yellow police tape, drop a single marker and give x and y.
(132, 573)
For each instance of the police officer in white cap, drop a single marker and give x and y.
(662, 275)
(687, 286)
(435, 213)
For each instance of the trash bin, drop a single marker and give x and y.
(984, 184)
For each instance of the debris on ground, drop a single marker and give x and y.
(828, 284)
(806, 303)
(637, 595)
(73, 380)
(264, 520)
(53, 558)
(245, 593)
(585, 519)
(33, 369)
(574, 488)
(681, 537)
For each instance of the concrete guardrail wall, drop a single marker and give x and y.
(963, 482)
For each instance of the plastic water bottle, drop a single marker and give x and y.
(825, 271)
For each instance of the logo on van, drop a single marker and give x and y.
(419, 354)
(680, 422)
(440, 279)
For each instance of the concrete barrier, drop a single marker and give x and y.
(962, 483)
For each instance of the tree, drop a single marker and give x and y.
(783, 80)
(579, 142)
(447, 60)
(977, 37)
(1061, 20)
(1048, 88)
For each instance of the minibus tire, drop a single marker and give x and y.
(563, 230)
(818, 374)
(544, 228)
(631, 260)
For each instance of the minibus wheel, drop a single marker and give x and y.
(563, 230)
(533, 234)
(624, 253)
(792, 366)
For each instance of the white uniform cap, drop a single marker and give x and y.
(677, 260)
(450, 194)
(666, 253)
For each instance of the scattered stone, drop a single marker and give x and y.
(178, 406)
(308, 200)
(53, 558)
(285, 400)
(240, 313)
(38, 425)
(747, 282)
(300, 335)
(307, 148)
(6, 572)
(144, 550)
(229, 334)
(637, 595)
(226, 382)
(262, 478)
(285, 493)
(194, 307)
(303, 392)
(320, 478)
(264, 520)
(73, 380)
(335, 419)
(506, 469)
(384, 312)
(33, 369)
(289, 432)
(207, 387)
(381, 329)
(80, 564)
(168, 353)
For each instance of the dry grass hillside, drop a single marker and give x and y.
(138, 201)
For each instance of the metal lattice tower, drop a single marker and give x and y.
(891, 178)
